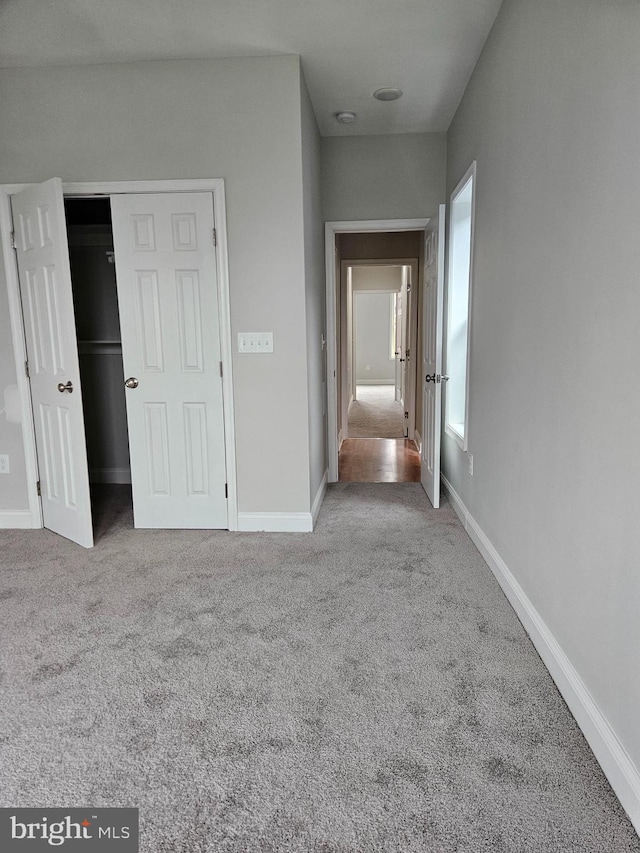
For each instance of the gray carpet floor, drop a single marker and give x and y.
(375, 414)
(366, 687)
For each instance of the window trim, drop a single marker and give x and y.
(450, 429)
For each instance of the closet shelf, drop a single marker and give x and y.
(100, 347)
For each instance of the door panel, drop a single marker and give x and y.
(400, 296)
(408, 394)
(432, 358)
(50, 333)
(168, 304)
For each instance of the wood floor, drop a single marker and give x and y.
(378, 460)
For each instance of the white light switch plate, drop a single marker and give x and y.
(255, 341)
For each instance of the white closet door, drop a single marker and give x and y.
(168, 305)
(47, 305)
(432, 358)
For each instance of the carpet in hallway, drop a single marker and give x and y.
(375, 413)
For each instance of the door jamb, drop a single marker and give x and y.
(330, 231)
(90, 189)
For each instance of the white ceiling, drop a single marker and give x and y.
(349, 48)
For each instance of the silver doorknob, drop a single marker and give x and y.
(132, 382)
(68, 387)
(444, 378)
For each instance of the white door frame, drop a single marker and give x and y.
(330, 231)
(108, 188)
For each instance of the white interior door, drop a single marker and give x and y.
(400, 295)
(407, 391)
(50, 333)
(352, 387)
(402, 359)
(432, 358)
(169, 319)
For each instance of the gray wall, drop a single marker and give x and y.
(376, 278)
(552, 116)
(372, 318)
(390, 245)
(399, 176)
(237, 119)
(314, 292)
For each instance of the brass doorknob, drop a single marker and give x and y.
(68, 387)
(132, 382)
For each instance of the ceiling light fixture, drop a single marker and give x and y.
(346, 117)
(388, 94)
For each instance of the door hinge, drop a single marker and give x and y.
(226, 490)
(406, 416)
(215, 237)
(220, 368)
(13, 240)
(26, 369)
(39, 490)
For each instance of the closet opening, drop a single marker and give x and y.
(95, 298)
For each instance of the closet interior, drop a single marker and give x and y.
(95, 298)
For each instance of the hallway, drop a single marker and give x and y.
(375, 413)
(376, 451)
(378, 460)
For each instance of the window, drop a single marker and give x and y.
(459, 306)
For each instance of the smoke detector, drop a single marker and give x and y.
(387, 94)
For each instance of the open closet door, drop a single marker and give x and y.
(49, 323)
(169, 320)
(432, 358)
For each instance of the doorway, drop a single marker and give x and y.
(95, 301)
(376, 447)
(364, 256)
(380, 404)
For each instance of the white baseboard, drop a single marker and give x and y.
(110, 475)
(317, 503)
(284, 522)
(275, 522)
(16, 519)
(618, 767)
(418, 440)
(340, 440)
(458, 507)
